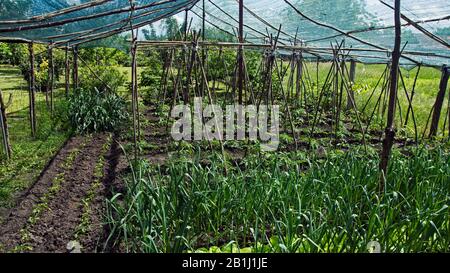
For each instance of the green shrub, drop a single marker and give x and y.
(95, 111)
(5, 53)
(102, 78)
(151, 78)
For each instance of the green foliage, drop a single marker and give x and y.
(5, 53)
(103, 56)
(29, 155)
(42, 76)
(151, 76)
(102, 78)
(214, 34)
(18, 54)
(95, 111)
(150, 33)
(270, 204)
(220, 66)
(171, 28)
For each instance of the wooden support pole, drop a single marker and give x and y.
(186, 17)
(448, 109)
(241, 51)
(134, 90)
(352, 76)
(203, 49)
(75, 68)
(32, 91)
(389, 131)
(47, 87)
(134, 93)
(67, 72)
(412, 95)
(4, 128)
(298, 81)
(439, 102)
(51, 77)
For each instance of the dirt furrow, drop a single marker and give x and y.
(56, 227)
(17, 219)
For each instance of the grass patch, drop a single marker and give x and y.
(29, 155)
(45, 200)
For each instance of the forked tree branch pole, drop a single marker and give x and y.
(390, 131)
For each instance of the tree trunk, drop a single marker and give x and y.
(389, 131)
(439, 102)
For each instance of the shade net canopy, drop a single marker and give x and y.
(368, 23)
(73, 22)
(366, 26)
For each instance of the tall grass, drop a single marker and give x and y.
(271, 204)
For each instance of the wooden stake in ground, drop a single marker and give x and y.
(134, 97)
(439, 102)
(351, 94)
(32, 91)
(75, 68)
(67, 72)
(241, 51)
(389, 131)
(4, 128)
(51, 77)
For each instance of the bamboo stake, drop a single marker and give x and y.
(412, 94)
(288, 110)
(215, 116)
(416, 136)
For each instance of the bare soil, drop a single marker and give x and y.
(57, 224)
